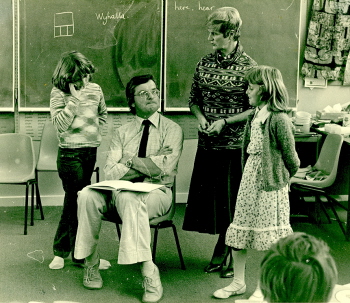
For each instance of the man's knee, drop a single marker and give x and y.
(89, 198)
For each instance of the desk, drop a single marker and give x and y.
(307, 153)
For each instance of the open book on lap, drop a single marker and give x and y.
(125, 185)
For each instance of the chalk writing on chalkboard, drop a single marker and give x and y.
(63, 24)
(122, 39)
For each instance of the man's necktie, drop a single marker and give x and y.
(144, 139)
(143, 145)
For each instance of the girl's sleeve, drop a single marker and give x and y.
(102, 110)
(286, 142)
(63, 109)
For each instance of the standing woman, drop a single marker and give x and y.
(220, 104)
(78, 112)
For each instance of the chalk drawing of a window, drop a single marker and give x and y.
(64, 24)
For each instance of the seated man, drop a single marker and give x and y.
(127, 159)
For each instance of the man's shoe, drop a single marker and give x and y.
(92, 277)
(153, 287)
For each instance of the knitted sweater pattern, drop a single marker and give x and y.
(219, 89)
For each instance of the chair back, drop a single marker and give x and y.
(328, 159)
(327, 162)
(17, 158)
(48, 148)
(171, 212)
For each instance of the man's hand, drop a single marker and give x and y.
(165, 150)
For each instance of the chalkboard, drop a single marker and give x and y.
(270, 35)
(122, 38)
(6, 54)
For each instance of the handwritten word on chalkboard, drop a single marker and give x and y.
(198, 7)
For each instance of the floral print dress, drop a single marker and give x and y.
(261, 217)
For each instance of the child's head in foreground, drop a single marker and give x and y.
(298, 268)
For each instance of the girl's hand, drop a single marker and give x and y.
(74, 92)
(216, 127)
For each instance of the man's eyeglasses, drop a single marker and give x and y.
(146, 94)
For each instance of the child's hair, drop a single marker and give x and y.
(71, 68)
(298, 268)
(274, 92)
(224, 20)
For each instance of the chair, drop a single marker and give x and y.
(48, 153)
(158, 223)
(327, 164)
(17, 166)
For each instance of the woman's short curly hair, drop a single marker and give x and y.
(224, 20)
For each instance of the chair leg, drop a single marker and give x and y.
(26, 211)
(319, 201)
(32, 206)
(118, 229)
(178, 247)
(336, 215)
(155, 239)
(97, 174)
(38, 200)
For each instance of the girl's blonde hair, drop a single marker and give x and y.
(298, 268)
(274, 92)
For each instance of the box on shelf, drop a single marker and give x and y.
(321, 115)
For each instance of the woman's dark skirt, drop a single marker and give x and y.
(213, 191)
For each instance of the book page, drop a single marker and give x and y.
(125, 185)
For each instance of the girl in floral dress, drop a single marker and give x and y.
(269, 159)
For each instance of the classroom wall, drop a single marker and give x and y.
(311, 100)
(308, 100)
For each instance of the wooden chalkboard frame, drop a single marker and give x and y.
(7, 34)
(196, 34)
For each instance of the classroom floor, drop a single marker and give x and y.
(25, 275)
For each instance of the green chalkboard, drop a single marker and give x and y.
(6, 54)
(122, 38)
(270, 35)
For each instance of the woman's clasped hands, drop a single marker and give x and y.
(212, 129)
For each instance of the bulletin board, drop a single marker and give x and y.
(6, 55)
(270, 35)
(122, 38)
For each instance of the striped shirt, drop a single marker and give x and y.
(126, 141)
(79, 121)
(219, 89)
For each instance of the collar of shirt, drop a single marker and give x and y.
(230, 58)
(154, 120)
(262, 114)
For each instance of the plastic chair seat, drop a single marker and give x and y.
(17, 166)
(327, 163)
